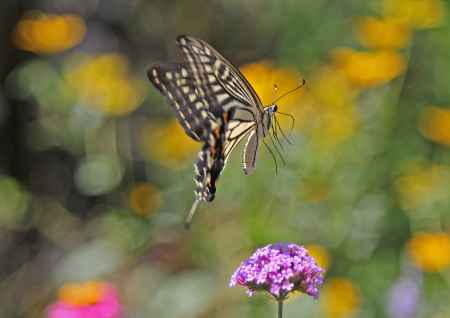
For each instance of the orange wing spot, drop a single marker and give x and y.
(213, 151)
(216, 132)
(225, 117)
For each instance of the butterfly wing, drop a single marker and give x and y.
(250, 152)
(217, 79)
(174, 82)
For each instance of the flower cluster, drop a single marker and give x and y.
(280, 269)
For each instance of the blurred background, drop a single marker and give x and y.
(96, 174)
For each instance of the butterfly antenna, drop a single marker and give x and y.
(188, 221)
(273, 156)
(291, 91)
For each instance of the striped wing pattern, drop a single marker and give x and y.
(198, 122)
(213, 102)
(209, 166)
(225, 88)
(217, 79)
(174, 82)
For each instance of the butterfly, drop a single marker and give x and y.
(216, 106)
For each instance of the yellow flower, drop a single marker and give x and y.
(340, 298)
(334, 126)
(315, 191)
(430, 251)
(39, 32)
(416, 13)
(435, 124)
(144, 199)
(263, 75)
(384, 33)
(330, 87)
(423, 185)
(329, 109)
(368, 69)
(79, 294)
(105, 83)
(320, 254)
(167, 143)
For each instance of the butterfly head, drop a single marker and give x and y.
(269, 114)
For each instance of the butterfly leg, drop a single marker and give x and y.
(188, 221)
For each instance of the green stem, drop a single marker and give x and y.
(280, 309)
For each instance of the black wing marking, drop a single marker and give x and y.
(174, 82)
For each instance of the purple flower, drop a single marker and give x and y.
(404, 297)
(279, 269)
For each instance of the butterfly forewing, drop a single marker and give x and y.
(218, 79)
(224, 87)
(174, 82)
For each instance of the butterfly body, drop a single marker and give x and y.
(216, 106)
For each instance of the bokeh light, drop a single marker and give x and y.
(167, 143)
(14, 203)
(386, 33)
(430, 251)
(435, 124)
(269, 81)
(340, 298)
(368, 69)
(320, 254)
(104, 83)
(98, 175)
(45, 33)
(417, 13)
(144, 199)
(423, 185)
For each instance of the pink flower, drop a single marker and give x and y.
(280, 269)
(88, 300)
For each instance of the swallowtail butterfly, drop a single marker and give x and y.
(217, 107)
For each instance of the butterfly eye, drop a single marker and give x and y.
(275, 108)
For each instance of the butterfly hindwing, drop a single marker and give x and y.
(250, 152)
(210, 163)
